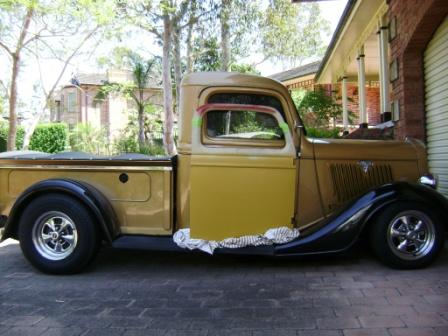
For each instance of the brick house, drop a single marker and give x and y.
(303, 78)
(75, 102)
(403, 44)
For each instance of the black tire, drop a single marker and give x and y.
(58, 222)
(396, 236)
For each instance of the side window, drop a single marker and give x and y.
(246, 125)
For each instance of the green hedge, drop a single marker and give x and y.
(4, 136)
(49, 138)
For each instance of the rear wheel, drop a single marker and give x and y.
(407, 235)
(58, 234)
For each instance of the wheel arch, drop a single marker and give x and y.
(409, 192)
(88, 195)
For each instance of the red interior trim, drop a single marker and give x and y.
(257, 108)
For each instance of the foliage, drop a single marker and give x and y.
(142, 72)
(154, 150)
(292, 32)
(313, 132)
(4, 136)
(88, 138)
(49, 138)
(244, 68)
(208, 58)
(127, 140)
(207, 54)
(297, 96)
(39, 31)
(317, 108)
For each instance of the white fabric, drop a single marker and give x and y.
(279, 235)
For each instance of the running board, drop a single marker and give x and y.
(166, 243)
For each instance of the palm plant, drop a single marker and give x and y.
(142, 72)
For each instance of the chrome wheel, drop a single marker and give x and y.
(411, 235)
(54, 235)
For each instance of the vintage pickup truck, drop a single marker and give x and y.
(245, 167)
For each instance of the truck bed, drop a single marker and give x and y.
(139, 187)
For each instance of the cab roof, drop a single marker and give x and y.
(231, 79)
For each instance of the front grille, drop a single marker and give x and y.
(351, 180)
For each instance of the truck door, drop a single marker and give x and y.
(242, 171)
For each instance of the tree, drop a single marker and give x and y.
(292, 32)
(225, 34)
(161, 19)
(14, 50)
(321, 108)
(238, 21)
(207, 57)
(142, 73)
(37, 28)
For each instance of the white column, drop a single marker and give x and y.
(383, 37)
(344, 103)
(362, 88)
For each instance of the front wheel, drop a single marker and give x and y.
(407, 235)
(58, 234)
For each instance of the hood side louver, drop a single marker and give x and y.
(351, 180)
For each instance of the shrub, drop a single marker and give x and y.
(154, 150)
(4, 136)
(90, 139)
(323, 132)
(126, 143)
(49, 138)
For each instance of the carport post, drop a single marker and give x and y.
(383, 32)
(344, 103)
(362, 89)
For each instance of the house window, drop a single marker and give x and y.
(243, 125)
(71, 102)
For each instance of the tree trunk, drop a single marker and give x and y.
(141, 127)
(189, 41)
(168, 136)
(225, 34)
(141, 118)
(189, 49)
(12, 132)
(177, 65)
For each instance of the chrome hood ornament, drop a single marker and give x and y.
(365, 165)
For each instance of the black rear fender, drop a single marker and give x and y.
(93, 199)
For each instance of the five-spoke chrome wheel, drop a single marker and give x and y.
(411, 235)
(407, 234)
(55, 235)
(58, 234)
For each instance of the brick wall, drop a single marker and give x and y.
(417, 20)
(372, 104)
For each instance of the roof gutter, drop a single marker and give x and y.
(337, 33)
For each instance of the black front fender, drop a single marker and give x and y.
(93, 199)
(342, 229)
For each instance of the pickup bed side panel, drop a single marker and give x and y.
(140, 196)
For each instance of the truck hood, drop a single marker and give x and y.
(328, 149)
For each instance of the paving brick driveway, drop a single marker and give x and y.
(145, 293)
